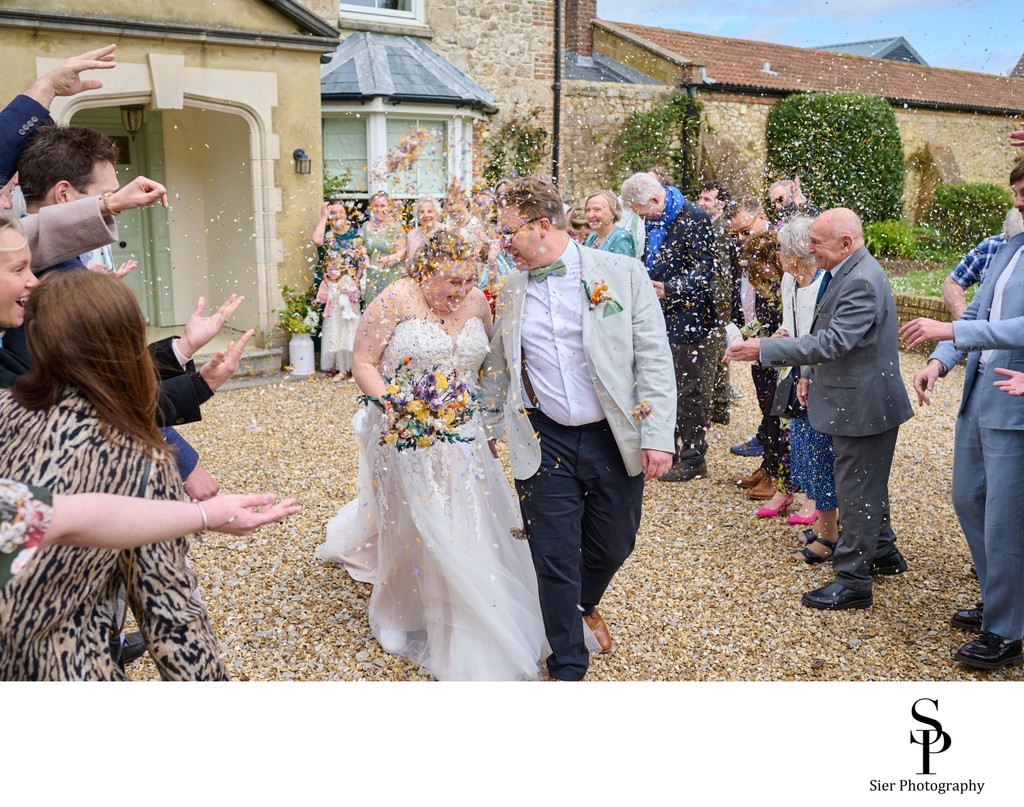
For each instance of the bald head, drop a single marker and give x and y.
(835, 235)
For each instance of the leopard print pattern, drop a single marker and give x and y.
(57, 615)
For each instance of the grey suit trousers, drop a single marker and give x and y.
(862, 488)
(988, 478)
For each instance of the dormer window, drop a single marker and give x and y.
(398, 11)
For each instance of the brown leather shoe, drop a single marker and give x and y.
(600, 630)
(748, 481)
(765, 489)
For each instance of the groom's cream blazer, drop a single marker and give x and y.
(627, 353)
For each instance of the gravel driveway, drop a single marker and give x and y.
(709, 595)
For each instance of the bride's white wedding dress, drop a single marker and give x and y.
(432, 529)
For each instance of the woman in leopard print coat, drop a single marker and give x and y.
(83, 420)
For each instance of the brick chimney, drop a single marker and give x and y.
(579, 36)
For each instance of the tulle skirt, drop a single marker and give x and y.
(434, 530)
(338, 331)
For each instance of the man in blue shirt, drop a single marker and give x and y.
(973, 267)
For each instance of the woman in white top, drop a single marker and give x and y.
(811, 455)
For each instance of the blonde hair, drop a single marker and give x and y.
(443, 246)
(611, 198)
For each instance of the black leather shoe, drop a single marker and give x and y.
(836, 597)
(969, 618)
(134, 646)
(892, 562)
(990, 652)
(684, 472)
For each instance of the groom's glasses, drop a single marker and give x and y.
(507, 235)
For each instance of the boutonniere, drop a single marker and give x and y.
(598, 295)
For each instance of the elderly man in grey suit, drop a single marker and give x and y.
(852, 388)
(581, 369)
(988, 452)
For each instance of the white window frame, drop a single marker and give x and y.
(458, 133)
(416, 16)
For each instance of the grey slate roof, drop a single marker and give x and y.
(896, 48)
(399, 69)
(602, 68)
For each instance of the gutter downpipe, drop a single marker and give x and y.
(557, 87)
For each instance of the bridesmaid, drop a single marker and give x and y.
(603, 211)
(382, 233)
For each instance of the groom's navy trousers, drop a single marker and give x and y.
(581, 512)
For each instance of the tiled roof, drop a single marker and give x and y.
(602, 68)
(397, 69)
(742, 63)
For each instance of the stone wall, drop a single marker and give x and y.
(592, 114)
(732, 140)
(911, 306)
(979, 144)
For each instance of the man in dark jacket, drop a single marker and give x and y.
(680, 262)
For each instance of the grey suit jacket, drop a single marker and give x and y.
(59, 232)
(851, 354)
(627, 354)
(974, 333)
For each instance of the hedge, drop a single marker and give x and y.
(966, 213)
(846, 149)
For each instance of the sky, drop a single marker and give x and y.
(979, 35)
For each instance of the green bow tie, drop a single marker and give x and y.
(541, 273)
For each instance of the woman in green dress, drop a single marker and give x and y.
(335, 233)
(382, 233)
(603, 210)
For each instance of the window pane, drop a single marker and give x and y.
(417, 158)
(387, 5)
(345, 151)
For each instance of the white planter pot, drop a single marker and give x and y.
(300, 354)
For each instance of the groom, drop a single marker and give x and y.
(580, 364)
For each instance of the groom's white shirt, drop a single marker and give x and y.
(627, 358)
(552, 335)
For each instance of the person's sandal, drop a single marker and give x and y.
(812, 557)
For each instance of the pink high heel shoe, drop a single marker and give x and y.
(771, 512)
(805, 521)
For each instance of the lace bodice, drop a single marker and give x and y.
(427, 344)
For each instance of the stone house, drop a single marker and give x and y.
(213, 100)
(954, 124)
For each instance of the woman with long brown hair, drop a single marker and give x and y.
(764, 270)
(83, 419)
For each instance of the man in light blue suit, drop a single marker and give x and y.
(988, 458)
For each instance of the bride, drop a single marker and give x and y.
(435, 529)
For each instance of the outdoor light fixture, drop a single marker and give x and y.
(303, 165)
(132, 119)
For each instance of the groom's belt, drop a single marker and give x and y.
(531, 396)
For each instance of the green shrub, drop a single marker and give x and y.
(894, 237)
(846, 149)
(655, 137)
(966, 213)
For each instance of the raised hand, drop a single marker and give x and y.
(66, 80)
(199, 329)
(1017, 138)
(125, 268)
(140, 192)
(222, 366)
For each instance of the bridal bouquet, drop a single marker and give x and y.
(422, 408)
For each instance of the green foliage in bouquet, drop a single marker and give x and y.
(302, 312)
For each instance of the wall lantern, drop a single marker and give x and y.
(132, 119)
(303, 165)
